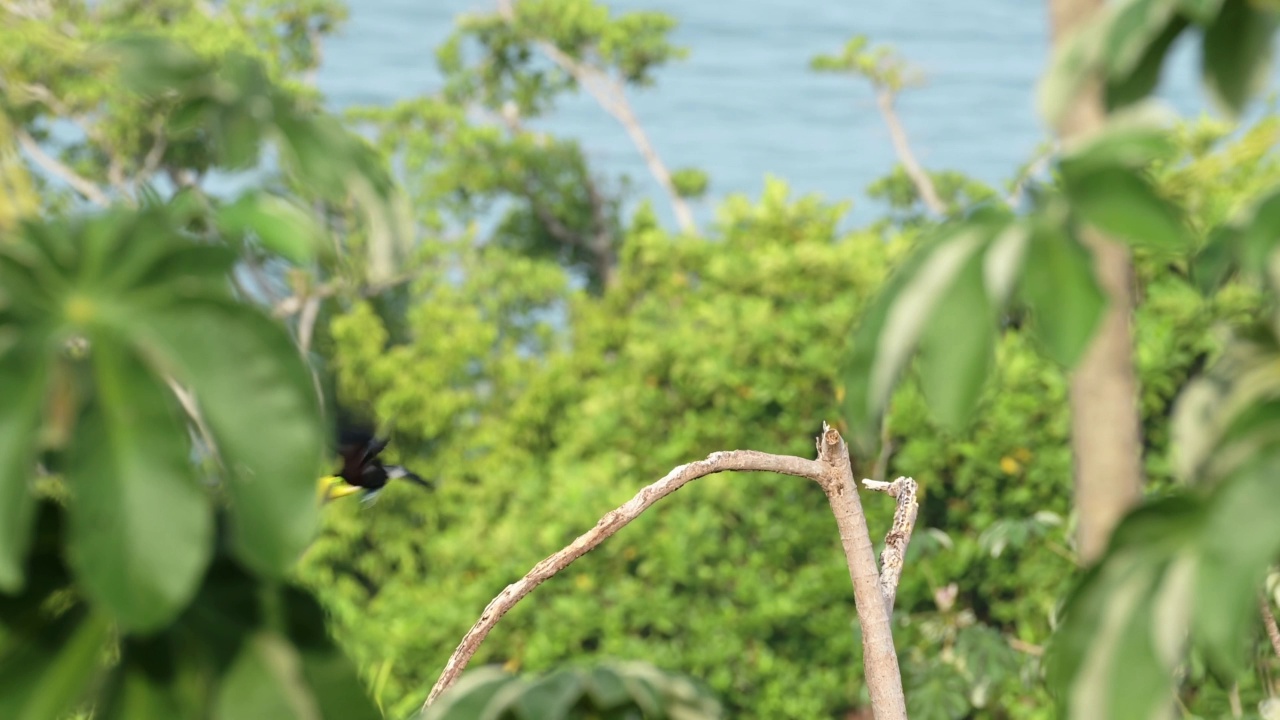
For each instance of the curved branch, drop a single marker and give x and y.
(610, 95)
(898, 136)
(832, 471)
(612, 522)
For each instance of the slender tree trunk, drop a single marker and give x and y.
(1105, 421)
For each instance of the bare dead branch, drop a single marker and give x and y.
(832, 471)
(611, 97)
(88, 189)
(885, 97)
(880, 660)
(612, 522)
(895, 542)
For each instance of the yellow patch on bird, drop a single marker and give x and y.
(1009, 465)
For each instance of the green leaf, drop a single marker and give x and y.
(1202, 12)
(1059, 287)
(23, 384)
(552, 695)
(257, 397)
(1137, 83)
(49, 672)
(1237, 54)
(1133, 139)
(470, 697)
(328, 672)
(1256, 242)
(1123, 624)
(1122, 204)
(152, 65)
(266, 681)
(890, 328)
(1131, 29)
(282, 226)
(957, 346)
(140, 526)
(1239, 542)
(937, 691)
(1215, 262)
(142, 686)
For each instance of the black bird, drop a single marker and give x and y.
(362, 469)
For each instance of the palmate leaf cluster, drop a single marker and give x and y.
(173, 428)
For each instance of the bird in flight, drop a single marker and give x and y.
(362, 468)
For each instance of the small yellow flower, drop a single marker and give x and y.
(1009, 465)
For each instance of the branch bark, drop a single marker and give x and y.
(1105, 421)
(609, 94)
(55, 167)
(894, 554)
(832, 471)
(898, 136)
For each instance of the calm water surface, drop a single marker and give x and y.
(744, 105)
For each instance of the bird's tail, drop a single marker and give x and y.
(396, 472)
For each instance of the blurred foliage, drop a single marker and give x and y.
(148, 528)
(547, 349)
(606, 691)
(703, 346)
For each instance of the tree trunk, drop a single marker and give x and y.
(1105, 421)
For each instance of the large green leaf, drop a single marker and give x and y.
(327, 670)
(1257, 240)
(1059, 287)
(142, 686)
(1216, 261)
(1122, 204)
(1132, 139)
(23, 382)
(1129, 86)
(47, 670)
(266, 681)
(280, 225)
(1202, 12)
(1237, 53)
(470, 697)
(1122, 627)
(957, 346)
(256, 395)
(140, 527)
(1241, 539)
(1131, 30)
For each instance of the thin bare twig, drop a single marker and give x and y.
(832, 471)
(610, 95)
(58, 169)
(1269, 622)
(895, 542)
(885, 97)
(307, 323)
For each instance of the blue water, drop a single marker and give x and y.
(744, 104)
